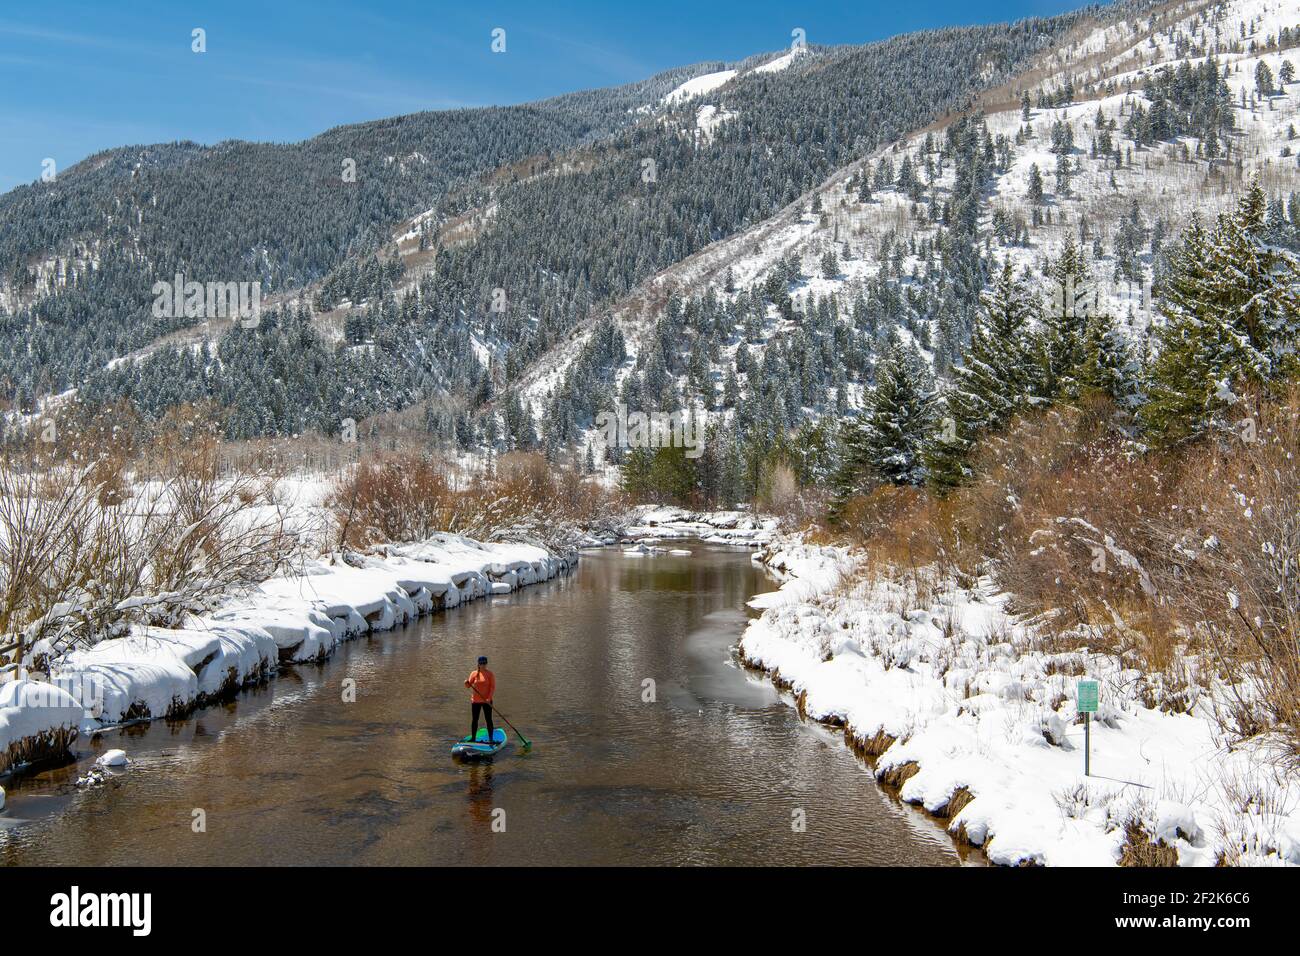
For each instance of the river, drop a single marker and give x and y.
(715, 769)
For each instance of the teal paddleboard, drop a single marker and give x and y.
(480, 746)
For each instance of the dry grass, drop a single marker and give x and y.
(1156, 558)
(1233, 543)
(895, 777)
(410, 497)
(47, 745)
(960, 799)
(903, 529)
(88, 549)
(1139, 849)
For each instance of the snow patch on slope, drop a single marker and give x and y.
(698, 87)
(779, 64)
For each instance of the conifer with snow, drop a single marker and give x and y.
(1231, 317)
(899, 416)
(1061, 340)
(1109, 365)
(997, 377)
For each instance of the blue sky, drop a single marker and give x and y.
(81, 77)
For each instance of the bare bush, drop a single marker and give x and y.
(87, 550)
(903, 529)
(410, 497)
(1163, 559)
(1232, 547)
(40, 517)
(780, 495)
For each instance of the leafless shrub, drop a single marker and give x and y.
(780, 494)
(1073, 802)
(1232, 543)
(409, 498)
(40, 517)
(1140, 850)
(86, 550)
(1182, 563)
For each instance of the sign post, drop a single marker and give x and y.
(1088, 693)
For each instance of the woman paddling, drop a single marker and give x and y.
(482, 684)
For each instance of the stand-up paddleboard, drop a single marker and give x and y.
(480, 746)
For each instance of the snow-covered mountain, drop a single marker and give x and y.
(736, 238)
(1124, 199)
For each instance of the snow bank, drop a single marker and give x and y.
(967, 719)
(779, 64)
(738, 528)
(36, 720)
(164, 672)
(159, 672)
(807, 571)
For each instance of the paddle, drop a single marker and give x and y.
(528, 744)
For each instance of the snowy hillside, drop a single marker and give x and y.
(475, 244)
(1123, 198)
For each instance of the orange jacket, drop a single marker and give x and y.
(482, 685)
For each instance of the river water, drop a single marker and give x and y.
(715, 769)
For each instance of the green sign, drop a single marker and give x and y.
(1088, 694)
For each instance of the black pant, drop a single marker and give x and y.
(487, 716)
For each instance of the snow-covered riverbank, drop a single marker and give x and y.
(649, 523)
(958, 711)
(164, 672)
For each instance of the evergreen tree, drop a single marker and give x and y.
(635, 471)
(830, 264)
(1061, 341)
(899, 416)
(853, 476)
(1035, 186)
(864, 184)
(997, 377)
(1108, 366)
(1231, 317)
(1263, 79)
(1128, 241)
